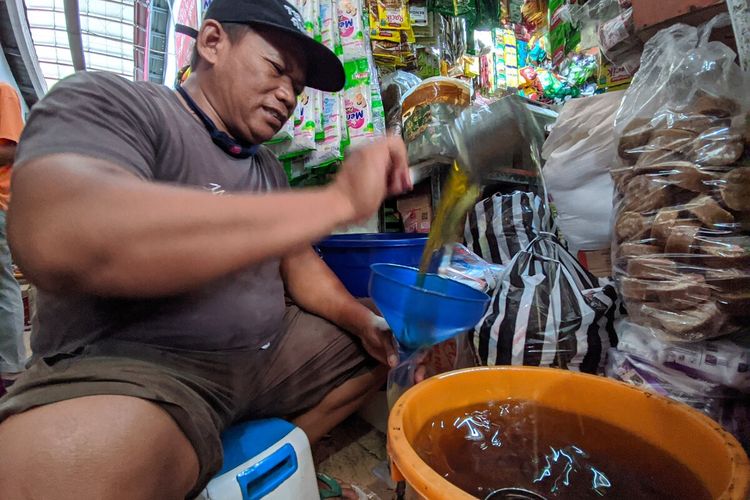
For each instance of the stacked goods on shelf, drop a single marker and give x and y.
(324, 124)
(391, 33)
(681, 244)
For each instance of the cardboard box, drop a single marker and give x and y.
(650, 16)
(598, 262)
(416, 210)
(648, 13)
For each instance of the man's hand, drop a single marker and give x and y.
(377, 339)
(372, 173)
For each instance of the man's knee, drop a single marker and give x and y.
(95, 447)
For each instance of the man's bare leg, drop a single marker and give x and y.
(113, 447)
(340, 403)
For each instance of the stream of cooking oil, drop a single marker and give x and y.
(458, 196)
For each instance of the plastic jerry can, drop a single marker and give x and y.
(268, 459)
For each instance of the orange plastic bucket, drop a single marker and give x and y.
(698, 442)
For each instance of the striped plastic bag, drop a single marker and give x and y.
(504, 224)
(548, 311)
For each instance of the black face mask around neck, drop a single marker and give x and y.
(232, 147)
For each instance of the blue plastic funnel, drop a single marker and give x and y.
(424, 316)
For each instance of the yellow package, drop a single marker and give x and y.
(471, 66)
(393, 15)
(389, 35)
(611, 76)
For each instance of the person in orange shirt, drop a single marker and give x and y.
(12, 349)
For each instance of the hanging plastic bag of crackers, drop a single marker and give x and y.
(681, 249)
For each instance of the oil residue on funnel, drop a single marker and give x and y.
(523, 445)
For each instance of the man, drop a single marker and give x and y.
(12, 348)
(161, 307)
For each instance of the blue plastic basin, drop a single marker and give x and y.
(425, 316)
(351, 255)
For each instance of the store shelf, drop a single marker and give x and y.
(423, 170)
(511, 176)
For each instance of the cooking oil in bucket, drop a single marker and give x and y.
(458, 196)
(503, 448)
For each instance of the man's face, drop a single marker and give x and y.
(256, 83)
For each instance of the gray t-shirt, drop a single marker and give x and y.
(145, 128)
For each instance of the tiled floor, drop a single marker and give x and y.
(355, 454)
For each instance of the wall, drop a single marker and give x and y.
(6, 75)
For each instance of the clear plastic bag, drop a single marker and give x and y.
(378, 110)
(681, 249)
(393, 86)
(618, 40)
(303, 139)
(463, 265)
(358, 102)
(727, 406)
(329, 149)
(718, 361)
(427, 361)
(351, 29)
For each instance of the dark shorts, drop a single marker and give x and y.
(204, 392)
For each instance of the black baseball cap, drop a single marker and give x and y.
(324, 69)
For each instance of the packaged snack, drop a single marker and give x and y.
(563, 36)
(461, 264)
(453, 37)
(454, 7)
(378, 110)
(577, 69)
(358, 101)
(393, 14)
(427, 60)
(394, 54)
(617, 36)
(310, 10)
(611, 76)
(329, 148)
(294, 168)
(286, 132)
(680, 137)
(418, 14)
(351, 29)
(719, 361)
(303, 140)
(709, 397)
(389, 35)
(329, 26)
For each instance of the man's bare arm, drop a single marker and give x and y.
(85, 225)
